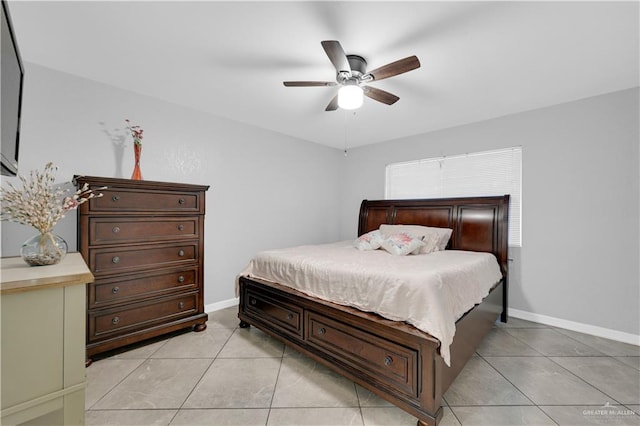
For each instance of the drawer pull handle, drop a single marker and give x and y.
(322, 331)
(289, 316)
(115, 198)
(180, 279)
(115, 259)
(115, 290)
(181, 201)
(180, 227)
(181, 253)
(388, 361)
(115, 320)
(181, 305)
(254, 302)
(115, 229)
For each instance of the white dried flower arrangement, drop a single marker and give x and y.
(40, 203)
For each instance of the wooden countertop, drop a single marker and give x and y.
(16, 276)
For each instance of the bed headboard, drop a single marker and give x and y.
(478, 223)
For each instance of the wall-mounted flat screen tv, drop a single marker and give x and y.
(12, 76)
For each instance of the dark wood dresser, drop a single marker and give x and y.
(144, 243)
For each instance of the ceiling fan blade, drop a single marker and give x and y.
(380, 95)
(308, 83)
(394, 68)
(336, 55)
(333, 105)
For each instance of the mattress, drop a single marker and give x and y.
(430, 292)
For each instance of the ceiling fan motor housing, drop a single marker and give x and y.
(358, 68)
(358, 64)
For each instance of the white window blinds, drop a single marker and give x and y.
(495, 172)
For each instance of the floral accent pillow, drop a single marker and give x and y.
(424, 232)
(369, 241)
(402, 244)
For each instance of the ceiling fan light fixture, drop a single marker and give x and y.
(350, 97)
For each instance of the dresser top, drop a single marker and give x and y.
(17, 276)
(138, 184)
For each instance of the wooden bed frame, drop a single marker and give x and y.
(392, 359)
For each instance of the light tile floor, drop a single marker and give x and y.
(523, 374)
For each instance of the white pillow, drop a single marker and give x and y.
(442, 234)
(402, 244)
(369, 241)
(430, 243)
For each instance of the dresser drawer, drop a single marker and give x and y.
(110, 230)
(136, 258)
(109, 322)
(371, 355)
(126, 288)
(270, 307)
(129, 200)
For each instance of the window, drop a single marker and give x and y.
(495, 172)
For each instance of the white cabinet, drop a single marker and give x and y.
(43, 313)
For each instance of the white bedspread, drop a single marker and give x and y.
(429, 291)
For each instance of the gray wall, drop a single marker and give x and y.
(267, 189)
(579, 256)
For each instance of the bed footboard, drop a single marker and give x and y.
(394, 360)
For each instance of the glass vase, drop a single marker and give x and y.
(137, 152)
(44, 249)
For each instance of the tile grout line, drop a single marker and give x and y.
(570, 372)
(205, 371)
(453, 413)
(275, 385)
(512, 384)
(126, 376)
(117, 384)
(508, 381)
(522, 341)
(584, 380)
(569, 356)
(355, 389)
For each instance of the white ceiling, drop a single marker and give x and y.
(479, 59)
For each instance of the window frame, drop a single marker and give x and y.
(494, 172)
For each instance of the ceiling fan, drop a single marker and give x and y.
(351, 75)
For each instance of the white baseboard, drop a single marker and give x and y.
(594, 330)
(221, 305)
